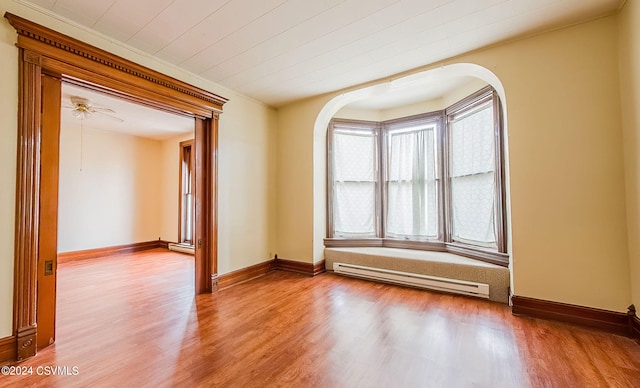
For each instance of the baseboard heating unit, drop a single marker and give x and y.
(464, 287)
(184, 248)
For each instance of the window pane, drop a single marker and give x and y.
(412, 208)
(354, 183)
(472, 165)
(472, 198)
(354, 209)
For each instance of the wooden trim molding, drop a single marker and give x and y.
(27, 204)
(610, 321)
(7, 350)
(53, 45)
(299, 267)
(634, 323)
(66, 257)
(242, 275)
(45, 51)
(254, 271)
(205, 187)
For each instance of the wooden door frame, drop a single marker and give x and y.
(45, 51)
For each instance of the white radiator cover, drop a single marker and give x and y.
(464, 287)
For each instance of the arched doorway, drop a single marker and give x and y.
(417, 80)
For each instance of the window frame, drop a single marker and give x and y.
(370, 126)
(436, 117)
(461, 107)
(445, 241)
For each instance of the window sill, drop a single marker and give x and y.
(486, 256)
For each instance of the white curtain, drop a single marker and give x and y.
(354, 184)
(472, 172)
(412, 208)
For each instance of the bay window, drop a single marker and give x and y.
(432, 181)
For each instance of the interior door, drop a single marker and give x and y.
(48, 229)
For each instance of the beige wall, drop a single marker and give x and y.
(246, 186)
(115, 199)
(629, 32)
(295, 180)
(568, 219)
(246, 157)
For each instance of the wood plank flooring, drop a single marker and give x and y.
(132, 321)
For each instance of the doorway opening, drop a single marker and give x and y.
(45, 59)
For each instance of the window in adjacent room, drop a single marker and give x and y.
(186, 203)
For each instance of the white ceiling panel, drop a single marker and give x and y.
(46, 4)
(125, 17)
(365, 48)
(232, 16)
(281, 50)
(87, 15)
(276, 22)
(315, 37)
(178, 18)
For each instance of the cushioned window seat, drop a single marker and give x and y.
(440, 264)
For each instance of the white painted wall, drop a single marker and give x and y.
(109, 188)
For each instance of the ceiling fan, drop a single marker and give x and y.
(82, 108)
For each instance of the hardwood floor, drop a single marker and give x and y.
(132, 320)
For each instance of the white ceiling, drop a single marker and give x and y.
(425, 89)
(277, 51)
(136, 119)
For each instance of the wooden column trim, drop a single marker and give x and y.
(48, 216)
(27, 204)
(204, 217)
(213, 167)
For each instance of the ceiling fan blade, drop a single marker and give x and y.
(102, 109)
(109, 116)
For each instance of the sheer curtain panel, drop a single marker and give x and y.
(354, 183)
(412, 211)
(472, 174)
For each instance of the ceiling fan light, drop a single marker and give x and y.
(81, 114)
